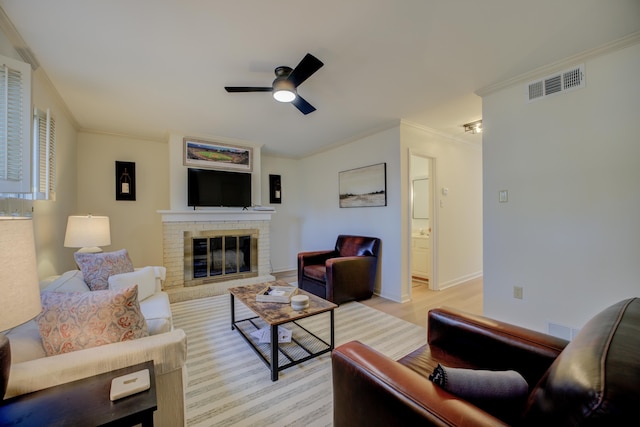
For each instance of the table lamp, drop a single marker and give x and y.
(19, 285)
(87, 233)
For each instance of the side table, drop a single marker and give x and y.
(83, 402)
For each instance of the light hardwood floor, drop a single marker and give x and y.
(466, 296)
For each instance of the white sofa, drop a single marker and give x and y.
(32, 370)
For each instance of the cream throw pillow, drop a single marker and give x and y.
(145, 278)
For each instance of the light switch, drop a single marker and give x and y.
(503, 196)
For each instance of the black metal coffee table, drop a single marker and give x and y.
(304, 344)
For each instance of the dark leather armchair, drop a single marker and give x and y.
(592, 380)
(348, 272)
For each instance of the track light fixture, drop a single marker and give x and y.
(473, 127)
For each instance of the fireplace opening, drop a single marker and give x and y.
(217, 255)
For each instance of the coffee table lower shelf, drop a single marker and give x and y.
(304, 345)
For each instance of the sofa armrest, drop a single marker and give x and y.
(374, 390)
(160, 273)
(356, 275)
(315, 257)
(455, 336)
(168, 352)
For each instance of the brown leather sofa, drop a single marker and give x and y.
(346, 273)
(594, 380)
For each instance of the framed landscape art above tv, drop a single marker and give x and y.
(215, 155)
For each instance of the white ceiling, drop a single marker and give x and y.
(148, 67)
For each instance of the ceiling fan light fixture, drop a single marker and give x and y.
(284, 90)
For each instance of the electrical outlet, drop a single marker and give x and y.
(517, 292)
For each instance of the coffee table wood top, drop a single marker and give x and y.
(277, 313)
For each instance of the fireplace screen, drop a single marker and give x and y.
(218, 256)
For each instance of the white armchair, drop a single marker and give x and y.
(32, 370)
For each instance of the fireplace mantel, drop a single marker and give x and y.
(204, 215)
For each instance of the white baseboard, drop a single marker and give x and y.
(460, 280)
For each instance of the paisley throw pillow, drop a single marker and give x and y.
(97, 267)
(72, 321)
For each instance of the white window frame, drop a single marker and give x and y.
(15, 146)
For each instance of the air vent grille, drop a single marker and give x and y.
(536, 90)
(557, 83)
(552, 85)
(572, 78)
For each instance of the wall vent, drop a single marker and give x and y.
(560, 331)
(557, 83)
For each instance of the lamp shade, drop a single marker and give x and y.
(87, 231)
(19, 285)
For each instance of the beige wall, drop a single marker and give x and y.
(50, 217)
(135, 225)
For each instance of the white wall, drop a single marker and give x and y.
(286, 222)
(457, 223)
(135, 225)
(569, 234)
(310, 217)
(322, 220)
(178, 171)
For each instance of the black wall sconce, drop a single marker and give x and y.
(125, 180)
(275, 189)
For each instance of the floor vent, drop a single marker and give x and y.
(557, 83)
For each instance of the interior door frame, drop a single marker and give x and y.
(433, 217)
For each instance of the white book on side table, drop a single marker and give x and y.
(129, 384)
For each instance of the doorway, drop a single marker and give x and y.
(423, 229)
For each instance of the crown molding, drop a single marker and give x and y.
(439, 133)
(24, 51)
(122, 135)
(621, 43)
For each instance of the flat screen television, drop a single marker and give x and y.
(207, 187)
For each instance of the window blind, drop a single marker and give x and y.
(15, 109)
(44, 159)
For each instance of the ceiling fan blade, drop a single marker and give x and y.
(302, 105)
(232, 89)
(309, 65)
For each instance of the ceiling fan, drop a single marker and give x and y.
(286, 81)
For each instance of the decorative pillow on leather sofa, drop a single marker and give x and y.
(500, 393)
(74, 321)
(145, 278)
(97, 267)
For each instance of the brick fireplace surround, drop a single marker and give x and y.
(176, 223)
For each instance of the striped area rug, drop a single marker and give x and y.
(229, 385)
